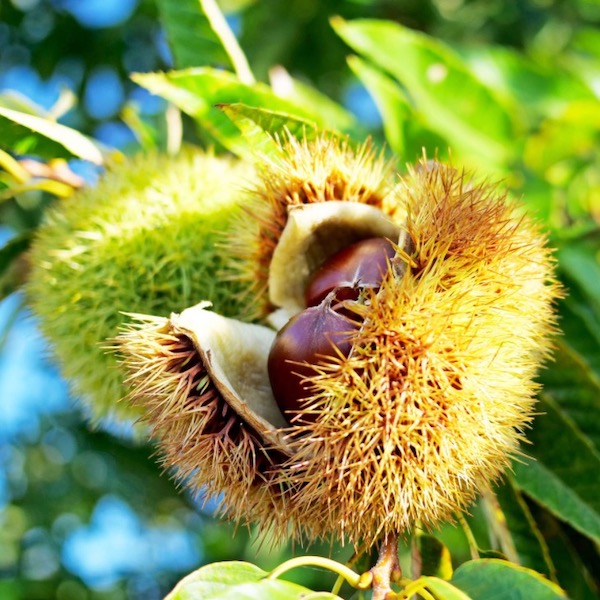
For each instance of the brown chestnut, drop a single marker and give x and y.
(308, 337)
(360, 265)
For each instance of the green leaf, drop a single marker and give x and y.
(435, 557)
(562, 474)
(237, 581)
(447, 96)
(259, 126)
(49, 139)
(197, 92)
(145, 134)
(16, 171)
(526, 537)
(190, 36)
(494, 579)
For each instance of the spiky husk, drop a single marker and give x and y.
(143, 240)
(434, 398)
(202, 439)
(305, 171)
(429, 407)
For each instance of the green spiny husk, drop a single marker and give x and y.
(145, 239)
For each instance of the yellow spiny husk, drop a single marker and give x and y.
(434, 398)
(202, 439)
(304, 172)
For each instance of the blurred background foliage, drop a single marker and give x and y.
(85, 513)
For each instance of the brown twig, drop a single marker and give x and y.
(387, 569)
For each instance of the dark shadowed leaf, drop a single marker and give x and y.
(562, 474)
(528, 541)
(11, 267)
(573, 571)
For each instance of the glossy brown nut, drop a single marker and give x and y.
(362, 264)
(306, 339)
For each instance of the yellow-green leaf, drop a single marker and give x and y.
(444, 590)
(236, 580)
(65, 142)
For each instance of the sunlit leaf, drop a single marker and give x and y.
(493, 579)
(16, 101)
(197, 92)
(56, 188)
(391, 101)
(12, 166)
(51, 139)
(145, 134)
(446, 95)
(237, 581)
(575, 132)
